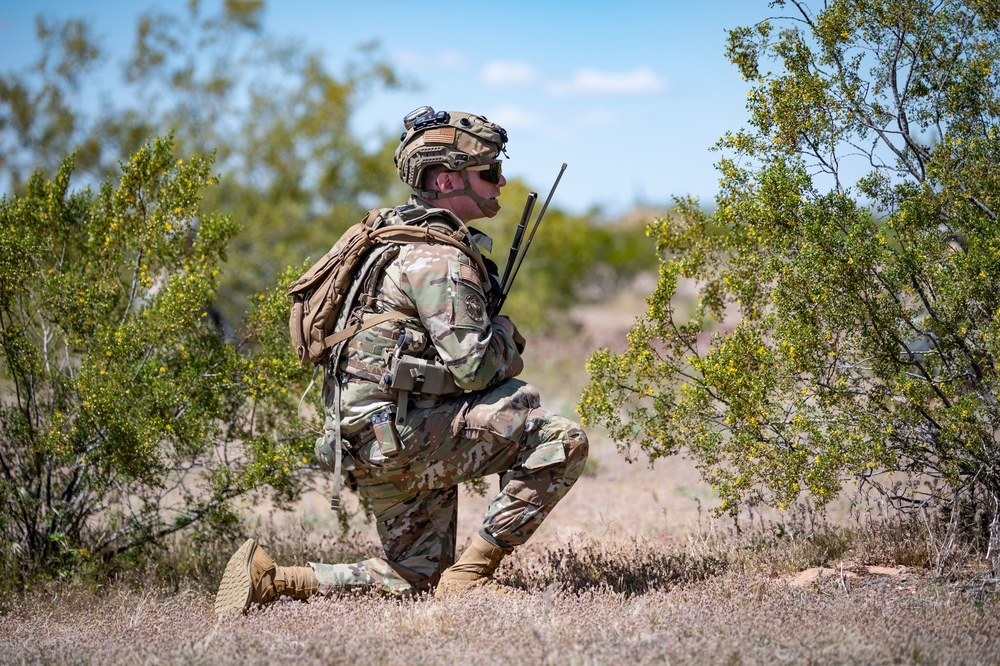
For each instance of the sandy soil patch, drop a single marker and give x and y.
(848, 570)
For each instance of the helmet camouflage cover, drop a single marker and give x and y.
(454, 139)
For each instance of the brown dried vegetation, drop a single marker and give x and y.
(768, 593)
(627, 570)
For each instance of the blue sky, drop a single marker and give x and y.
(631, 93)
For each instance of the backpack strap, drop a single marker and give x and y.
(406, 234)
(357, 327)
(400, 234)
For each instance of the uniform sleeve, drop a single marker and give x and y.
(446, 291)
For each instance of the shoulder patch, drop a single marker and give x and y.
(468, 273)
(474, 308)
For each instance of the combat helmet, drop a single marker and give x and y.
(453, 139)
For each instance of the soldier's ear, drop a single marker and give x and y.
(448, 181)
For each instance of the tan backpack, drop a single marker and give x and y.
(320, 295)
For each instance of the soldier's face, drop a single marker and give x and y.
(465, 206)
(484, 188)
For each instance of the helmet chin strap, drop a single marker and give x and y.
(487, 207)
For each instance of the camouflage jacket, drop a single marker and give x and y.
(441, 287)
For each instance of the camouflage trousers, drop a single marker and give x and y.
(414, 494)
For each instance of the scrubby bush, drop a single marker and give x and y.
(849, 315)
(126, 412)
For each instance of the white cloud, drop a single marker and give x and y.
(447, 60)
(451, 60)
(591, 81)
(508, 73)
(641, 80)
(595, 117)
(512, 117)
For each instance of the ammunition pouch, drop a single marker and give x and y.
(385, 433)
(379, 428)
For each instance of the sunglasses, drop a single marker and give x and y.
(490, 172)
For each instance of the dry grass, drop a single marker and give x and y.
(802, 590)
(627, 570)
(635, 602)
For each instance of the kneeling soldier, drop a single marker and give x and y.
(429, 399)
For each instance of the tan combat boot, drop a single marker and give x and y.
(474, 569)
(251, 577)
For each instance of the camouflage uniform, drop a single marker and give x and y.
(494, 425)
(420, 384)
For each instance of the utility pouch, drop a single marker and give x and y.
(385, 434)
(411, 375)
(325, 451)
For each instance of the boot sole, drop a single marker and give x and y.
(459, 588)
(236, 589)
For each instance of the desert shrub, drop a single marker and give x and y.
(858, 299)
(126, 413)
